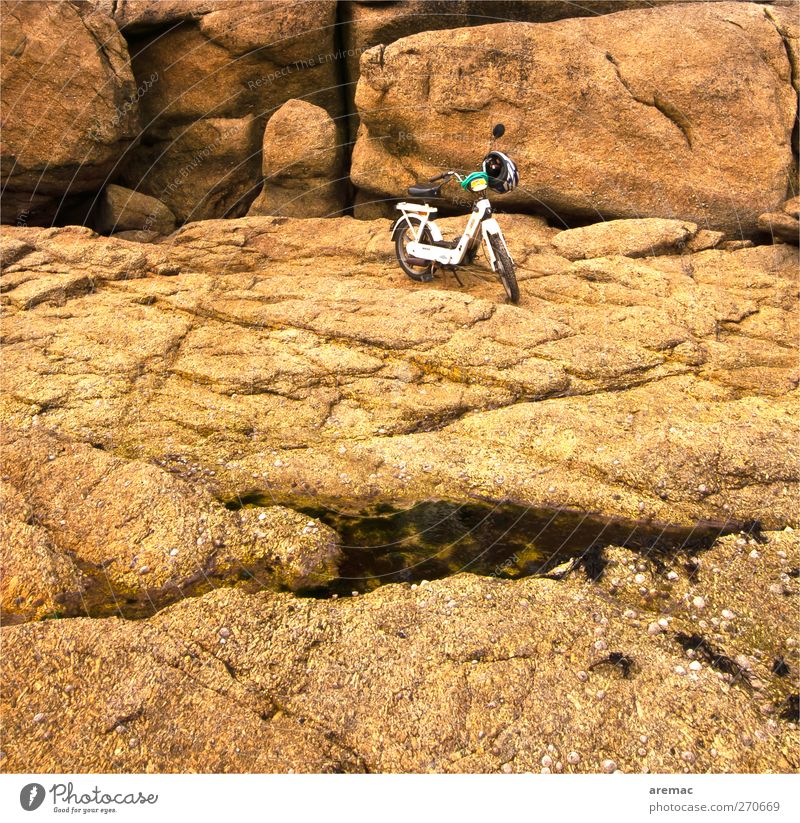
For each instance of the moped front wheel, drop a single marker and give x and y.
(405, 235)
(505, 268)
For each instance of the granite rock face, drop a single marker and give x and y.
(608, 116)
(466, 674)
(146, 384)
(367, 24)
(68, 106)
(204, 112)
(188, 414)
(180, 92)
(660, 387)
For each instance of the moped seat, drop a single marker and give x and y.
(424, 190)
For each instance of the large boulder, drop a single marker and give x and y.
(367, 24)
(122, 209)
(302, 164)
(202, 169)
(69, 106)
(630, 238)
(641, 113)
(205, 63)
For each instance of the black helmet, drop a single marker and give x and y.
(501, 171)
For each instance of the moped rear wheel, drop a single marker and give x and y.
(505, 269)
(404, 236)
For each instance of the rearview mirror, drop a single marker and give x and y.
(498, 131)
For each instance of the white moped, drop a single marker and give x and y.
(419, 244)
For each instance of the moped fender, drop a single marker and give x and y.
(490, 227)
(399, 224)
(403, 221)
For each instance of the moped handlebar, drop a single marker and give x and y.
(446, 175)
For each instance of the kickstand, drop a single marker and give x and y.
(458, 279)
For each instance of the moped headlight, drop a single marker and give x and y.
(478, 184)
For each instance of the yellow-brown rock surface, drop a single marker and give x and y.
(145, 384)
(662, 387)
(88, 533)
(466, 674)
